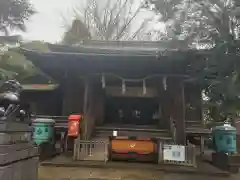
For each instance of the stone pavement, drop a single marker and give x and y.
(80, 173)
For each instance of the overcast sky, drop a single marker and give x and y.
(47, 24)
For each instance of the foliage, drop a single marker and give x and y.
(14, 64)
(212, 23)
(76, 33)
(13, 14)
(197, 21)
(105, 20)
(223, 82)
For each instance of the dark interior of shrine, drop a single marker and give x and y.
(44, 102)
(131, 111)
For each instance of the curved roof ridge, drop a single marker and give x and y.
(123, 45)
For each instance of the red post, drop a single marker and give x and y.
(74, 125)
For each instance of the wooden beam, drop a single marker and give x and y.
(166, 98)
(131, 92)
(180, 114)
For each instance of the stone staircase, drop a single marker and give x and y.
(193, 124)
(196, 126)
(195, 130)
(133, 131)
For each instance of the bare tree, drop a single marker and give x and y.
(109, 21)
(13, 14)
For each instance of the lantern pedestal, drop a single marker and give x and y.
(226, 162)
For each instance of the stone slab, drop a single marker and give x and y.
(30, 169)
(17, 170)
(13, 156)
(12, 126)
(15, 137)
(21, 170)
(14, 147)
(6, 172)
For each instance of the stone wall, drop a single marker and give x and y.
(18, 155)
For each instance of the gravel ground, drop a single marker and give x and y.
(60, 173)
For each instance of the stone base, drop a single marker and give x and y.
(18, 153)
(15, 137)
(13, 156)
(226, 162)
(14, 147)
(21, 170)
(46, 150)
(13, 126)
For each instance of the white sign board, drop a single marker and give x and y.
(115, 133)
(174, 153)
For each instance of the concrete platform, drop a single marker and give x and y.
(203, 168)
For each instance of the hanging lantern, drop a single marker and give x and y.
(164, 83)
(103, 81)
(123, 87)
(144, 87)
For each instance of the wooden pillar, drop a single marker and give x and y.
(166, 101)
(85, 108)
(166, 104)
(201, 105)
(193, 96)
(180, 114)
(99, 105)
(73, 92)
(65, 87)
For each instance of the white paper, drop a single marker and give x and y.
(114, 133)
(174, 153)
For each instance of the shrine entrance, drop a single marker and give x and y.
(136, 89)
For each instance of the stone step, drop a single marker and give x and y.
(13, 126)
(163, 135)
(13, 156)
(193, 122)
(194, 125)
(15, 137)
(128, 128)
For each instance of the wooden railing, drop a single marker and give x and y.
(85, 150)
